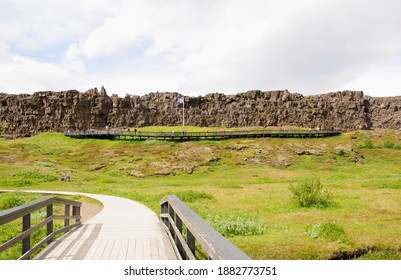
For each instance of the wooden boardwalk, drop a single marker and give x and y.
(208, 135)
(123, 230)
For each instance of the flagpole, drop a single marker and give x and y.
(183, 112)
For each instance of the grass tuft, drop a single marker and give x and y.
(192, 196)
(27, 178)
(328, 230)
(233, 225)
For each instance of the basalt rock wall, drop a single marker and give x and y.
(25, 115)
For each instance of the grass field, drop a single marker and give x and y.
(241, 186)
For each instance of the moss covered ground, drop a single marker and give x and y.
(244, 179)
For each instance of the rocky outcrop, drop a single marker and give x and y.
(25, 115)
(385, 112)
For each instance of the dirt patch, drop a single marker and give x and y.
(88, 210)
(351, 255)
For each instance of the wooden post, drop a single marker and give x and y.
(76, 211)
(172, 215)
(164, 210)
(26, 242)
(50, 224)
(178, 223)
(191, 241)
(67, 213)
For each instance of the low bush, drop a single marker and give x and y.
(192, 196)
(10, 200)
(311, 194)
(14, 199)
(233, 225)
(341, 153)
(391, 145)
(47, 164)
(367, 144)
(328, 230)
(28, 178)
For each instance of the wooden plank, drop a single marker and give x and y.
(116, 250)
(147, 253)
(154, 250)
(55, 250)
(108, 249)
(96, 250)
(122, 255)
(139, 250)
(73, 250)
(131, 249)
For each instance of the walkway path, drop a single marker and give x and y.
(187, 136)
(123, 230)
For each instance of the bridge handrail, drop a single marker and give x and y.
(24, 212)
(175, 214)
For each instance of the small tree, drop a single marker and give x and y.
(311, 194)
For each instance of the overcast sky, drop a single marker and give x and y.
(197, 47)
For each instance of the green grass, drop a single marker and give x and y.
(10, 200)
(236, 178)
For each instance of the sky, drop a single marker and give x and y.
(196, 47)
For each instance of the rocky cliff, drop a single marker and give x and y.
(25, 115)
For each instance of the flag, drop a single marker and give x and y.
(180, 99)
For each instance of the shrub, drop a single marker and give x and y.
(388, 145)
(47, 164)
(341, 153)
(10, 200)
(232, 225)
(192, 196)
(367, 144)
(28, 178)
(14, 199)
(391, 145)
(311, 194)
(328, 230)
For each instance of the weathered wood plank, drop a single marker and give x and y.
(147, 253)
(96, 251)
(139, 250)
(108, 249)
(122, 255)
(116, 250)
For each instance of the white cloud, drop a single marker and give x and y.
(33, 25)
(23, 75)
(381, 80)
(201, 46)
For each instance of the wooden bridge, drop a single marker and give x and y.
(123, 230)
(206, 135)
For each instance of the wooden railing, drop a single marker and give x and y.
(186, 229)
(184, 135)
(25, 211)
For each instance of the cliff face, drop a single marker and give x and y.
(25, 115)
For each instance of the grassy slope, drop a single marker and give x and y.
(245, 177)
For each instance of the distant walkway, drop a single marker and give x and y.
(123, 230)
(208, 135)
